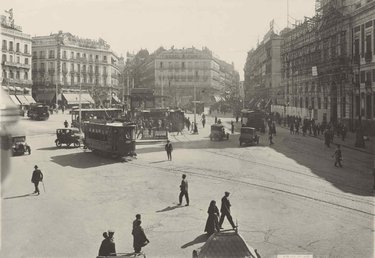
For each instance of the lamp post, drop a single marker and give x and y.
(162, 91)
(80, 105)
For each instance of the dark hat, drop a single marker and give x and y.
(110, 231)
(227, 193)
(183, 175)
(35, 166)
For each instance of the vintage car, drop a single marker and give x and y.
(218, 132)
(67, 136)
(19, 145)
(248, 136)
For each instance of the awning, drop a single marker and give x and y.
(19, 89)
(87, 97)
(45, 97)
(29, 99)
(73, 98)
(10, 88)
(5, 88)
(15, 100)
(217, 98)
(23, 100)
(268, 103)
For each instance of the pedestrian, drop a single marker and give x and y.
(343, 132)
(215, 119)
(195, 128)
(184, 190)
(66, 124)
(338, 156)
(169, 149)
(232, 126)
(270, 138)
(107, 248)
(36, 178)
(137, 218)
(203, 121)
(140, 132)
(219, 121)
(139, 237)
(236, 118)
(63, 108)
(225, 211)
(212, 223)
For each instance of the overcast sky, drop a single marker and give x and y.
(230, 28)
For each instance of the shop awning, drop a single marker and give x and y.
(18, 89)
(45, 97)
(87, 97)
(29, 99)
(5, 88)
(23, 100)
(73, 99)
(15, 100)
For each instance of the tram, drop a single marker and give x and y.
(253, 118)
(176, 120)
(116, 139)
(155, 120)
(94, 114)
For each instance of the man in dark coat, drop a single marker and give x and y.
(232, 127)
(139, 237)
(107, 248)
(66, 124)
(36, 178)
(137, 218)
(169, 149)
(225, 211)
(184, 187)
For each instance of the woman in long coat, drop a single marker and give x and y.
(139, 237)
(212, 224)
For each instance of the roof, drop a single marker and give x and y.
(225, 244)
(217, 125)
(73, 98)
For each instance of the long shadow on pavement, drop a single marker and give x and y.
(19, 196)
(199, 239)
(170, 208)
(82, 160)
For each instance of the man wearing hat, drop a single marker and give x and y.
(107, 248)
(36, 178)
(225, 210)
(169, 149)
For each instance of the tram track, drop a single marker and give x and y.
(343, 197)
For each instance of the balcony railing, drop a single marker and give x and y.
(17, 65)
(368, 56)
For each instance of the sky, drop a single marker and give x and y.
(230, 28)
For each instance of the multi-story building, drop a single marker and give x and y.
(63, 62)
(262, 72)
(177, 75)
(362, 94)
(15, 58)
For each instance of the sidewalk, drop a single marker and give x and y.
(348, 143)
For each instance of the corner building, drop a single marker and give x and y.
(63, 63)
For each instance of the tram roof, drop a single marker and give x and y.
(98, 109)
(112, 124)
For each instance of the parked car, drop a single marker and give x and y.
(67, 136)
(19, 145)
(248, 136)
(218, 132)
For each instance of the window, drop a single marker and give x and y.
(11, 75)
(25, 76)
(343, 111)
(10, 45)
(4, 58)
(79, 68)
(71, 79)
(161, 65)
(18, 47)
(90, 57)
(51, 54)
(26, 49)
(105, 58)
(71, 55)
(41, 54)
(18, 59)
(5, 74)
(4, 46)
(368, 76)
(84, 56)
(64, 54)
(363, 74)
(11, 58)
(183, 65)
(96, 57)
(72, 67)
(34, 54)
(64, 67)
(78, 55)
(42, 67)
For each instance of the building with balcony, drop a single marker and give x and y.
(262, 77)
(177, 75)
(63, 62)
(15, 58)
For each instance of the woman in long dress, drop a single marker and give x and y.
(212, 224)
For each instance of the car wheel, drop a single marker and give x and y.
(58, 143)
(76, 144)
(68, 144)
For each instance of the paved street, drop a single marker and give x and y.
(286, 198)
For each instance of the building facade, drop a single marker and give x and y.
(262, 73)
(327, 65)
(177, 75)
(63, 62)
(15, 57)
